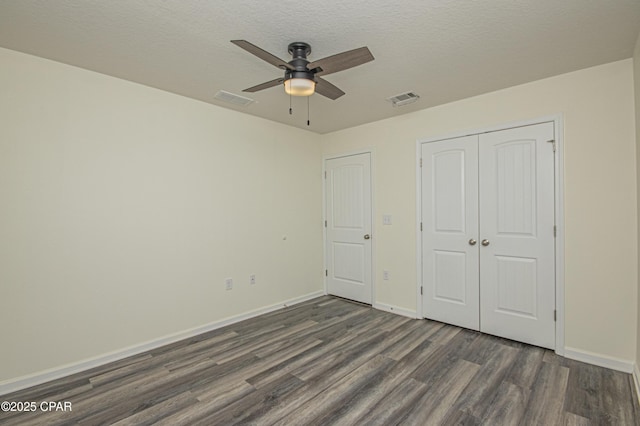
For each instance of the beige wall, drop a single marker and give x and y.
(601, 261)
(636, 81)
(124, 208)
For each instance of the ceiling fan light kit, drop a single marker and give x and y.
(299, 87)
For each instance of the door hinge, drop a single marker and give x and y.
(555, 230)
(420, 290)
(326, 272)
(555, 315)
(421, 162)
(325, 223)
(553, 143)
(325, 175)
(420, 226)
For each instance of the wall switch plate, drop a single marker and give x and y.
(386, 219)
(385, 275)
(228, 283)
(252, 279)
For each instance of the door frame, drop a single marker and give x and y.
(557, 120)
(374, 235)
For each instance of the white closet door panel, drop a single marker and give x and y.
(450, 220)
(348, 202)
(517, 275)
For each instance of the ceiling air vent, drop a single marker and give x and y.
(233, 99)
(403, 99)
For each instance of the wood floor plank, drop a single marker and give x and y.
(583, 397)
(307, 358)
(397, 377)
(481, 349)
(328, 361)
(159, 411)
(412, 336)
(508, 405)
(614, 407)
(446, 355)
(249, 347)
(354, 324)
(188, 415)
(479, 395)
(526, 367)
(333, 399)
(241, 375)
(323, 375)
(571, 419)
(460, 418)
(551, 357)
(396, 403)
(364, 347)
(547, 399)
(434, 407)
(253, 407)
(445, 333)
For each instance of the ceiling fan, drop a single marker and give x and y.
(301, 77)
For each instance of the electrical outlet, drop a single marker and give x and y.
(229, 283)
(252, 279)
(385, 275)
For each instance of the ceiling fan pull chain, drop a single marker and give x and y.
(308, 109)
(290, 109)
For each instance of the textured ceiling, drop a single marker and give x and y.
(443, 50)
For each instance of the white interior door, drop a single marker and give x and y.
(348, 227)
(450, 230)
(517, 249)
(488, 237)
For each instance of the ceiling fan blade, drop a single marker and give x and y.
(342, 61)
(262, 54)
(266, 85)
(324, 88)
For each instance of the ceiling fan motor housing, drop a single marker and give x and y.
(299, 51)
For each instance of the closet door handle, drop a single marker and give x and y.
(367, 236)
(485, 242)
(472, 242)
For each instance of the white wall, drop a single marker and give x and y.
(123, 209)
(601, 256)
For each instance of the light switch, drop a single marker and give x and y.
(386, 219)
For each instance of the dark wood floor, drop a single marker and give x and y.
(329, 361)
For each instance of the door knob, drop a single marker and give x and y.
(367, 236)
(472, 242)
(485, 242)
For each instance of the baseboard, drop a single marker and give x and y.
(599, 360)
(636, 380)
(395, 310)
(13, 385)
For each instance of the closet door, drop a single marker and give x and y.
(517, 257)
(450, 231)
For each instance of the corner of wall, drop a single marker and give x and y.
(636, 380)
(636, 88)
